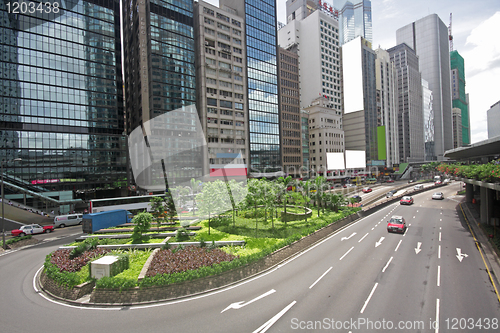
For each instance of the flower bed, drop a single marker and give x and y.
(190, 258)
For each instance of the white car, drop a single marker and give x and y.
(438, 196)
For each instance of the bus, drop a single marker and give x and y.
(132, 204)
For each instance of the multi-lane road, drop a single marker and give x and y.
(361, 279)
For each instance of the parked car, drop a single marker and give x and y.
(367, 190)
(396, 224)
(406, 200)
(438, 196)
(31, 229)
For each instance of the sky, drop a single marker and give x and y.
(475, 25)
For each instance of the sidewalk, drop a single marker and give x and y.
(490, 256)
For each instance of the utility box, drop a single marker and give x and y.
(107, 266)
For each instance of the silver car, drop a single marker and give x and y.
(438, 196)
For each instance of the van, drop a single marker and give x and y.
(67, 220)
(418, 187)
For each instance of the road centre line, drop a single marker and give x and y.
(346, 253)
(439, 276)
(397, 247)
(439, 252)
(437, 316)
(440, 236)
(369, 297)
(387, 265)
(312, 285)
(363, 237)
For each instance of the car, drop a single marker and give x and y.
(31, 229)
(338, 186)
(438, 196)
(406, 200)
(437, 182)
(66, 220)
(418, 187)
(356, 198)
(390, 193)
(390, 181)
(447, 181)
(367, 190)
(411, 181)
(396, 224)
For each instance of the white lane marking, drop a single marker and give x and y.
(363, 237)
(418, 249)
(386, 265)
(413, 216)
(373, 228)
(345, 238)
(397, 247)
(439, 252)
(440, 236)
(439, 276)
(312, 285)
(346, 253)
(379, 242)
(267, 325)
(460, 255)
(239, 305)
(369, 297)
(437, 317)
(406, 230)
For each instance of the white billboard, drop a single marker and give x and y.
(353, 75)
(335, 161)
(355, 159)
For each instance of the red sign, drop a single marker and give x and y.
(44, 181)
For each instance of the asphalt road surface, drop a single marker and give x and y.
(361, 279)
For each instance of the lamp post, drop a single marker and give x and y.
(3, 211)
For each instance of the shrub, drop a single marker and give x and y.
(142, 223)
(87, 245)
(181, 235)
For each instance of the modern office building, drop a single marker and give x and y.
(360, 99)
(61, 99)
(304, 119)
(316, 40)
(493, 119)
(457, 128)
(325, 133)
(221, 89)
(159, 79)
(409, 104)
(355, 19)
(428, 37)
(262, 83)
(460, 99)
(290, 112)
(387, 116)
(428, 122)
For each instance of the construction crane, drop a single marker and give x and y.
(450, 35)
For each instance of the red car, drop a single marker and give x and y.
(367, 190)
(31, 229)
(390, 181)
(406, 200)
(396, 224)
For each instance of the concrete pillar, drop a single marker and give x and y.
(24, 198)
(469, 192)
(486, 208)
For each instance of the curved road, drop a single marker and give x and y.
(427, 280)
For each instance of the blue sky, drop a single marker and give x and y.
(475, 28)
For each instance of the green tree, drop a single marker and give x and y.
(157, 209)
(319, 185)
(142, 223)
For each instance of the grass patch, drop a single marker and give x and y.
(127, 278)
(15, 240)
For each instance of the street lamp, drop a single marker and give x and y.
(3, 211)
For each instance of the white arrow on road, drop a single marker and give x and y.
(239, 305)
(460, 255)
(418, 249)
(379, 242)
(344, 238)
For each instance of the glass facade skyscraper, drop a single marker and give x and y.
(262, 77)
(459, 98)
(355, 19)
(61, 97)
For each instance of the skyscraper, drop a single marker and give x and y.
(262, 83)
(61, 97)
(221, 91)
(160, 79)
(409, 104)
(355, 19)
(459, 98)
(429, 38)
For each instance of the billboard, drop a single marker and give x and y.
(352, 65)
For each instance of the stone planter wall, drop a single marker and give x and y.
(57, 290)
